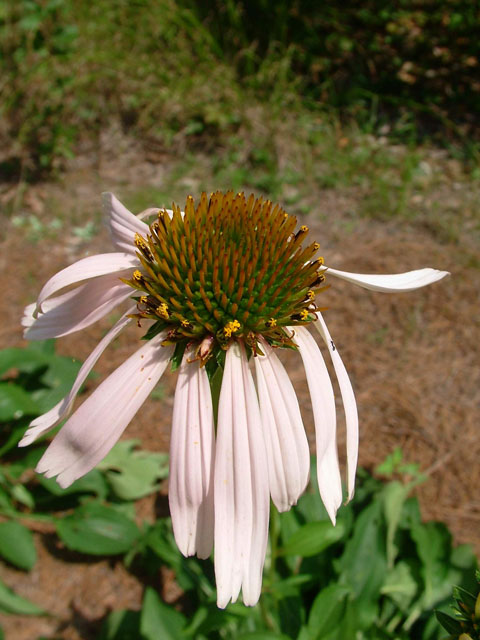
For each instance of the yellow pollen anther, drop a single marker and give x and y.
(311, 294)
(304, 314)
(304, 228)
(231, 327)
(320, 261)
(137, 275)
(185, 323)
(271, 323)
(162, 311)
(139, 241)
(316, 246)
(143, 299)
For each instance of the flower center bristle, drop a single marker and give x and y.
(229, 268)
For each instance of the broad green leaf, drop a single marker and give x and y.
(394, 496)
(290, 586)
(93, 482)
(312, 538)
(434, 543)
(160, 540)
(463, 557)
(158, 620)
(121, 625)
(363, 565)
(22, 494)
(97, 530)
(327, 611)
(133, 474)
(304, 634)
(450, 624)
(16, 545)
(10, 602)
(15, 402)
(58, 378)
(400, 586)
(25, 360)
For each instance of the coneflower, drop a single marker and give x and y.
(227, 282)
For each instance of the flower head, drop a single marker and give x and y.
(227, 282)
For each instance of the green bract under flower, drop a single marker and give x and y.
(228, 268)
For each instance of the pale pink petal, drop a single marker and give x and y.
(323, 404)
(391, 282)
(60, 411)
(349, 404)
(241, 485)
(122, 224)
(285, 439)
(190, 486)
(78, 308)
(95, 427)
(91, 267)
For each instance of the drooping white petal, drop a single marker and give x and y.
(323, 404)
(285, 438)
(241, 485)
(190, 486)
(76, 309)
(349, 404)
(122, 224)
(396, 282)
(98, 423)
(91, 267)
(60, 411)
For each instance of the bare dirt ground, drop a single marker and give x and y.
(413, 359)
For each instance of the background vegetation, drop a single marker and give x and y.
(362, 115)
(185, 73)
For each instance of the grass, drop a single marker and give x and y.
(76, 76)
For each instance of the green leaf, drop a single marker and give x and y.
(15, 402)
(93, 482)
(11, 603)
(16, 545)
(400, 586)
(262, 635)
(25, 360)
(98, 530)
(158, 620)
(134, 474)
(121, 625)
(312, 538)
(363, 565)
(450, 624)
(394, 495)
(290, 586)
(22, 494)
(58, 378)
(433, 541)
(327, 611)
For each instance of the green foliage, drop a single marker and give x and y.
(416, 58)
(377, 575)
(16, 545)
(465, 623)
(210, 76)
